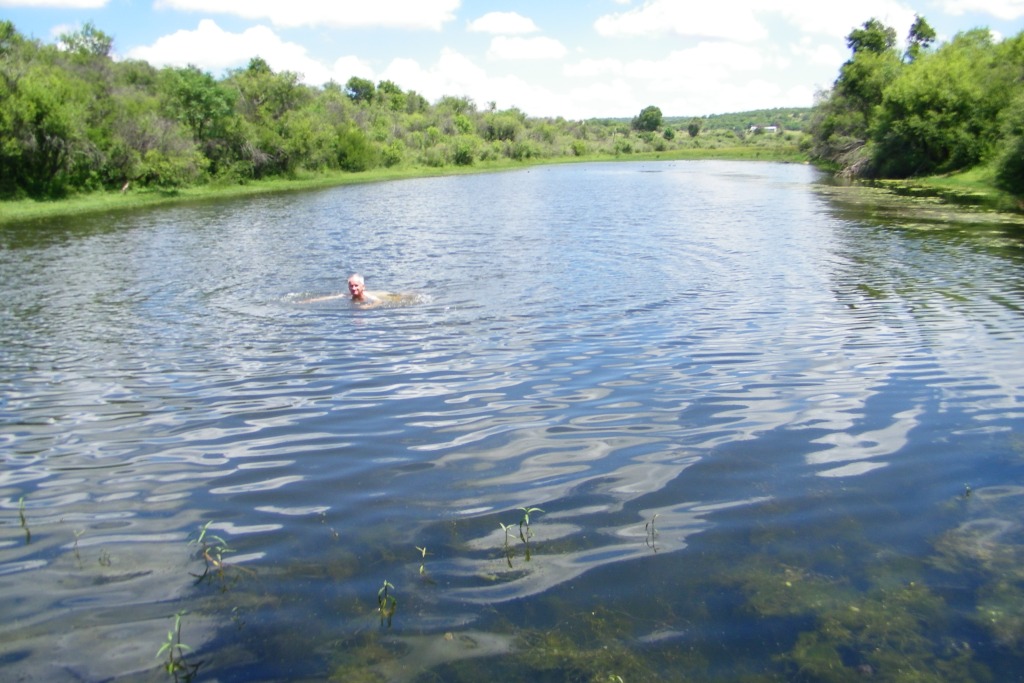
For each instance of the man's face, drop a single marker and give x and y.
(356, 288)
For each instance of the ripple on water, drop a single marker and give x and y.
(656, 360)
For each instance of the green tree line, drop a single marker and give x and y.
(73, 119)
(925, 111)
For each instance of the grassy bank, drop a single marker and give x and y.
(27, 210)
(975, 187)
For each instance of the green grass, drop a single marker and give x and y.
(975, 186)
(27, 210)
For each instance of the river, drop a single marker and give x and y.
(630, 421)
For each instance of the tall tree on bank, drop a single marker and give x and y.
(649, 119)
(920, 38)
(941, 113)
(844, 116)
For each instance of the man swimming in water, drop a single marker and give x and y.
(357, 290)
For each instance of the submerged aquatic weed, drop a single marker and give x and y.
(885, 634)
(78, 533)
(175, 664)
(386, 602)
(24, 522)
(554, 655)
(1000, 611)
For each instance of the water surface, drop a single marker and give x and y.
(761, 416)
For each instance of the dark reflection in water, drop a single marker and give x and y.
(753, 411)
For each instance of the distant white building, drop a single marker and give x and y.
(765, 129)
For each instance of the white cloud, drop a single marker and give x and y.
(503, 23)
(453, 74)
(212, 49)
(60, 29)
(505, 47)
(457, 74)
(345, 68)
(740, 20)
(611, 98)
(593, 68)
(1003, 9)
(61, 4)
(414, 14)
(824, 55)
(838, 19)
(711, 77)
(708, 20)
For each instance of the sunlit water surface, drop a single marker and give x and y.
(747, 404)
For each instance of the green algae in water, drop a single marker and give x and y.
(786, 591)
(887, 634)
(895, 630)
(988, 547)
(397, 659)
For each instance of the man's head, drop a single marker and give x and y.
(356, 287)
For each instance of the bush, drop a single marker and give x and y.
(1010, 167)
(393, 154)
(158, 169)
(523, 149)
(356, 152)
(463, 150)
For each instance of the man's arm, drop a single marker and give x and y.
(323, 298)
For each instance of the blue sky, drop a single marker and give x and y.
(571, 58)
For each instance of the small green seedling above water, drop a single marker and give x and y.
(423, 560)
(212, 549)
(386, 603)
(174, 650)
(24, 522)
(651, 533)
(524, 523)
(524, 528)
(509, 551)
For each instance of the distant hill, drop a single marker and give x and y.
(792, 118)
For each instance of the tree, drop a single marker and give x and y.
(196, 99)
(921, 36)
(88, 41)
(694, 126)
(941, 113)
(360, 89)
(44, 132)
(392, 95)
(873, 36)
(649, 119)
(843, 117)
(502, 126)
(456, 105)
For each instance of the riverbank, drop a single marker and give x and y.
(974, 187)
(27, 210)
